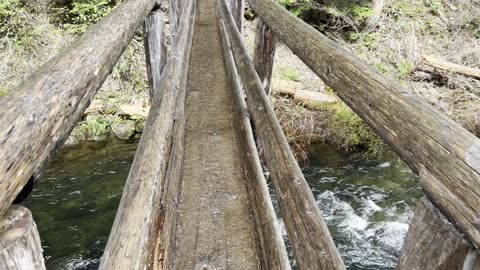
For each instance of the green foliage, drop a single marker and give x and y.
(94, 125)
(81, 14)
(350, 132)
(289, 74)
(361, 13)
(3, 92)
(14, 22)
(297, 7)
(405, 68)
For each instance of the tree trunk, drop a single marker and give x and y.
(20, 245)
(425, 138)
(37, 117)
(155, 50)
(433, 242)
(264, 55)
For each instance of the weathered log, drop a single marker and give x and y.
(20, 245)
(238, 10)
(450, 67)
(271, 245)
(432, 242)
(264, 55)
(37, 117)
(311, 241)
(164, 248)
(424, 137)
(173, 11)
(135, 232)
(155, 49)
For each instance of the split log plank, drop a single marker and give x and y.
(311, 241)
(135, 231)
(432, 242)
(450, 67)
(37, 117)
(264, 54)
(155, 49)
(422, 136)
(20, 245)
(271, 246)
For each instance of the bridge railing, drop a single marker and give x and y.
(38, 115)
(444, 154)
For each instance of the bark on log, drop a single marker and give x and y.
(423, 137)
(174, 10)
(311, 241)
(155, 49)
(271, 246)
(37, 117)
(432, 242)
(264, 55)
(135, 232)
(450, 67)
(20, 245)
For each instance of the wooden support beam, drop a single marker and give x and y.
(136, 230)
(155, 49)
(432, 242)
(37, 117)
(264, 55)
(273, 251)
(311, 241)
(237, 8)
(20, 245)
(425, 138)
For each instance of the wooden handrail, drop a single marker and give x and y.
(137, 230)
(311, 241)
(273, 252)
(426, 139)
(37, 117)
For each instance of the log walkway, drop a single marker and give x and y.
(196, 196)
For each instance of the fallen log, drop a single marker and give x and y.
(135, 231)
(37, 117)
(20, 245)
(312, 244)
(425, 138)
(450, 67)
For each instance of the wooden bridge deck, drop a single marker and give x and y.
(214, 226)
(196, 197)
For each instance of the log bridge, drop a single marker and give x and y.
(196, 196)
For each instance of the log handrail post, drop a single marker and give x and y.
(20, 245)
(155, 49)
(264, 54)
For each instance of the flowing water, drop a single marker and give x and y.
(366, 204)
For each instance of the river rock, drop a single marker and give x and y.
(315, 100)
(284, 87)
(136, 109)
(124, 130)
